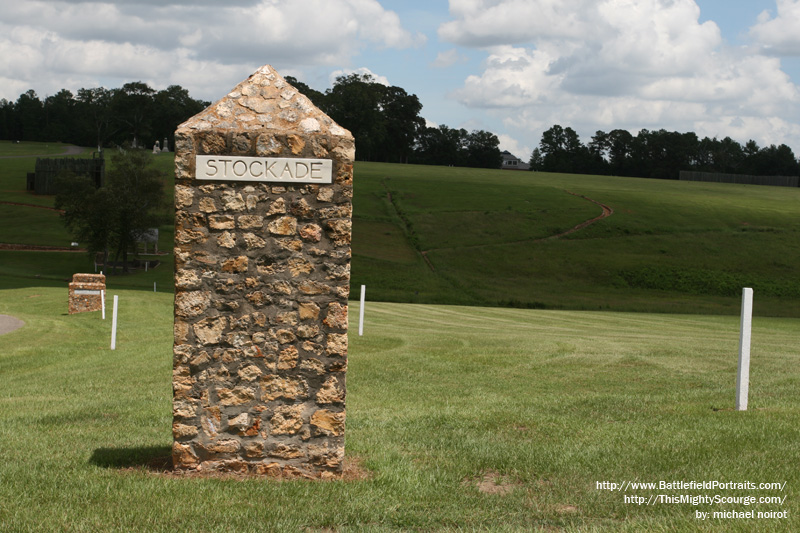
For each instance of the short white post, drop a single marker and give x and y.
(154, 286)
(361, 311)
(114, 324)
(103, 303)
(743, 374)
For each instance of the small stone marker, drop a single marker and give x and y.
(263, 200)
(86, 293)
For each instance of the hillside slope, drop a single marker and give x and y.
(485, 237)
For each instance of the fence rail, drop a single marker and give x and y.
(745, 179)
(44, 180)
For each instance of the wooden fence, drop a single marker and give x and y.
(775, 181)
(47, 170)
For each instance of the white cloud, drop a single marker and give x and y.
(42, 42)
(779, 35)
(633, 64)
(360, 71)
(447, 59)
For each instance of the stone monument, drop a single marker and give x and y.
(86, 293)
(263, 200)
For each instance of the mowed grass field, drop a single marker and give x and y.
(459, 418)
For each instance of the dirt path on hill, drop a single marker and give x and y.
(37, 248)
(34, 205)
(606, 212)
(9, 324)
(69, 150)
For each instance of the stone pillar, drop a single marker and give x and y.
(86, 293)
(263, 199)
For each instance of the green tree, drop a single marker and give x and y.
(354, 102)
(29, 112)
(60, 119)
(114, 216)
(172, 106)
(132, 106)
(96, 114)
(483, 150)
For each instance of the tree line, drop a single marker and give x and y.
(657, 154)
(134, 114)
(385, 120)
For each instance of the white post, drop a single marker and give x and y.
(743, 375)
(154, 286)
(103, 303)
(145, 265)
(114, 324)
(361, 311)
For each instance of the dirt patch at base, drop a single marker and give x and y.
(492, 482)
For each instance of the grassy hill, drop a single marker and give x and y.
(485, 237)
(668, 246)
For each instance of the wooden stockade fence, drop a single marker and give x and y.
(744, 179)
(47, 171)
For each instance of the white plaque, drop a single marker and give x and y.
(87, 292)
(272, 169)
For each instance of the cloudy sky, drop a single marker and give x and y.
(514, 67)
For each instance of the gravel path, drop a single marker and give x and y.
(69, 150)
(9, 324)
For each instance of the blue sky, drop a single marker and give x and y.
(513, 67)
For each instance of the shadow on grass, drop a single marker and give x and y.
(152, 458)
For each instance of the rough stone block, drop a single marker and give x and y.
(263, 200)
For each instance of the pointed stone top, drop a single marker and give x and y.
(265, 102)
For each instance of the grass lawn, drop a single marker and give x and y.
(465, 418)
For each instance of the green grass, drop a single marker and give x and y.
(669, 246)
(676, 247)
(545, 402)
(21, 224)
(14, 149)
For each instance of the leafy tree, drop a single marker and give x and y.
(132, 106)
(59, 117)
(172, 106)
(441, 146)
(29, 112)
(96, 114)
(112, 217)
(354, 102)
(536, 161)
(87, 213)
(483, 150)
(562, 151)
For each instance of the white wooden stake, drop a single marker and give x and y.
(103, 303)
(154, 286)
(743, 375)
(361, 311)
(114, 324)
